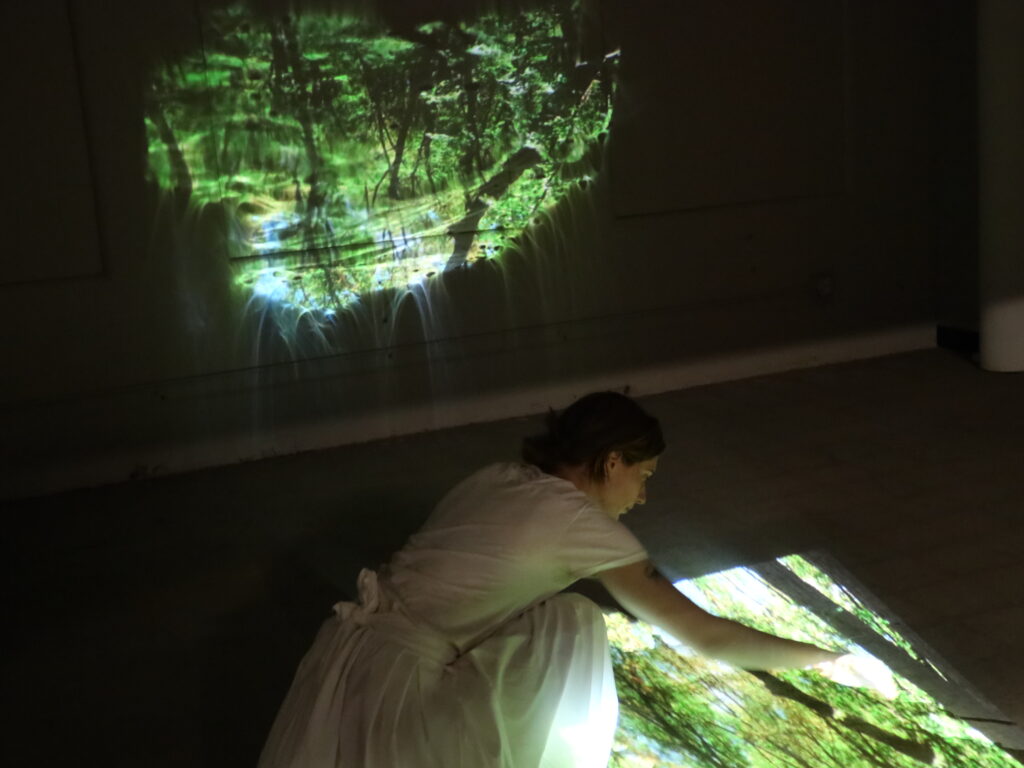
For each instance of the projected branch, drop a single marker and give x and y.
(918, 751)
(894, 657)
(464, 231)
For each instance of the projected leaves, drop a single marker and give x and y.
(679, 709)
(354, 158)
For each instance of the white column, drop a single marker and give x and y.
(1001, 183)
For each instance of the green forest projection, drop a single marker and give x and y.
(678, 709)
(354, 159)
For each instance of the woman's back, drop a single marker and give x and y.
(505, 538)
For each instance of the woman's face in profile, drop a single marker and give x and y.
(625, 485)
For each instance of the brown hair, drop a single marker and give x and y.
(590, 429)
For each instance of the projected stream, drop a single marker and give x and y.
(351, 158)
(679, 709)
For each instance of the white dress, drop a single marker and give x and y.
(460, 652)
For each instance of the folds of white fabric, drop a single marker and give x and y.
(538, 693)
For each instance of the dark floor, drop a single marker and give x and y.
(159, 622)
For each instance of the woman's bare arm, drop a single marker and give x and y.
(649, 596)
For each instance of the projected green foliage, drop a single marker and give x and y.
(679, 709)
(354, 158)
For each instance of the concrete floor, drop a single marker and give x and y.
(159, 622)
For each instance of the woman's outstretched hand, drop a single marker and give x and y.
(859, 672)
(646, 594)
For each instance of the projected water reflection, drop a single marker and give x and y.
(680, 709)
(352, 158)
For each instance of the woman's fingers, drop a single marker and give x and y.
(860, 672)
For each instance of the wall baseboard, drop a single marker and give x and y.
(195, 446)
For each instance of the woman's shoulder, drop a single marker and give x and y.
(516, 484)
(551, 515)
(526, 478)
(504, 474)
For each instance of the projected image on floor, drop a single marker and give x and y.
(354, 158)
(679, 709)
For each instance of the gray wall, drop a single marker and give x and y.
(785, 184)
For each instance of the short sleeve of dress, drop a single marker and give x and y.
(594, 542)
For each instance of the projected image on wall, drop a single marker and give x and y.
(354, 158)
(679, 709)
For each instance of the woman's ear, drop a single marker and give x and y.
(613, 458)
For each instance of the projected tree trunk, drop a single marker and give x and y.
(394, 171)
(181, 178)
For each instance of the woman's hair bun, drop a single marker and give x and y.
(590, 429)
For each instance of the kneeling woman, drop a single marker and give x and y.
(461, 653)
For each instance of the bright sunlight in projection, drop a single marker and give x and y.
(678, 709)
(354, 158)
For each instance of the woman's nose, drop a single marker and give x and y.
(642, 497)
